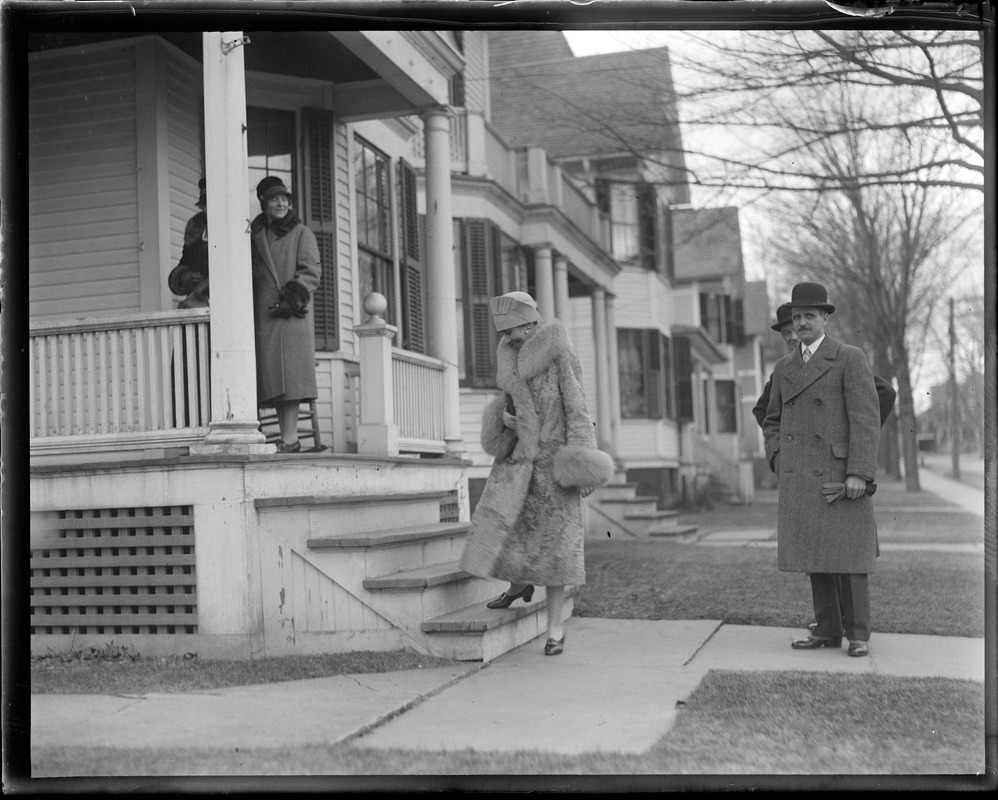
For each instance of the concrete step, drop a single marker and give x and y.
(620, 507)
(615, 490)
(477, 633)
(684, 534)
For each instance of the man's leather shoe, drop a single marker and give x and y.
(859, 649)
(814, 642)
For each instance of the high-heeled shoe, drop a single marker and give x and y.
(506, 600)
(554, 647)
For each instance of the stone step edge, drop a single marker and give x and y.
(685, 530)
(629, 500)
(344, 500)
(389, 537)
(419, 578)
(652, 515)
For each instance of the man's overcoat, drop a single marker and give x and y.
(528, 526)
(822, 424)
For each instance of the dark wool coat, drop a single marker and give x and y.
(528, 526)
(285, 348)
(886, 396)
(821, 425)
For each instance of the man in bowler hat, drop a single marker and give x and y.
(822, 434)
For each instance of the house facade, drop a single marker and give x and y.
(160, 514)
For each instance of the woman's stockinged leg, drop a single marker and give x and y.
(556, 604)
(287, 421)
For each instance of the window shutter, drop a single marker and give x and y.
(728, 330)
(647, 238)
(653, 365)
(739, 322)
(411, 227)
(319, 214)
(683, 362)
(481, 345)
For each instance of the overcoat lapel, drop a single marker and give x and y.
(268, 259)
(800, 375)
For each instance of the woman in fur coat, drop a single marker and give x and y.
(527, 527)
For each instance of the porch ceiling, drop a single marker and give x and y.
(301, 54)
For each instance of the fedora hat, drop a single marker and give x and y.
(811, 295)
(783, 316)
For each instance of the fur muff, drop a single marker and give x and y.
(497, 439)
(527, 528)
(583, 467)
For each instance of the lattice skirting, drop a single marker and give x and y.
(114, 571)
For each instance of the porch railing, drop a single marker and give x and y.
(419, 401)
(138, 377)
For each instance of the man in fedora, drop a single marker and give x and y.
(822, 435)
(886, 395)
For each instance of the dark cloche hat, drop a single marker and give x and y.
(811, 295)
(267, 183)
(783, 316)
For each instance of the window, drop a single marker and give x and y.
(723, 317)
(727, 407)
(372, 202)
(668, 406)
(489, 263)
(633, 210)
(683, 364)
(270, 144)
(640, 366)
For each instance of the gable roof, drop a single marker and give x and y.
(581, 106)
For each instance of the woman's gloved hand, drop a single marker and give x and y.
(509, 420)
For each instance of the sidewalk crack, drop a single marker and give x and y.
(703, 644)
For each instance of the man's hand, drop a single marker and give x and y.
(855, 487)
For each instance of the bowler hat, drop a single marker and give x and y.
(512, 310)
(783, 316)
(811, 295)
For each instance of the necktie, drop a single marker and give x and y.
(806, 355)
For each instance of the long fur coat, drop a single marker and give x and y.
(821, 425)
(528, 526)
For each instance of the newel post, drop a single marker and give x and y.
(377, 434)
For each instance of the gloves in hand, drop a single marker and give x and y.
(837, 490)
(293, 301)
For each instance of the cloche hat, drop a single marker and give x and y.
(512, 310)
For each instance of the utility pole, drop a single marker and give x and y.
(954, 408)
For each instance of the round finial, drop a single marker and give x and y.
(375, 305)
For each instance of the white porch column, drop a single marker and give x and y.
(378, 433)
(613, 367)
(561, 288)
(234, 426)
(544, 282)
(441, 293)
(600, 339)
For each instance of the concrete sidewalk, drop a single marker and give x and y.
(614, 689)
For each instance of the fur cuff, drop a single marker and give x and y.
(575, 465)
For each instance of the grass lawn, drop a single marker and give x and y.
(923, 592)
(734, 723)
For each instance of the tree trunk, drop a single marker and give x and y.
(906, 420)
(888, 461)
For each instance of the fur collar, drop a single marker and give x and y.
(547, 344)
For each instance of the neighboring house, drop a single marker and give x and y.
(684, 349)
(935, 424)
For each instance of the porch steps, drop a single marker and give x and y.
(618, 511)
(478, 633)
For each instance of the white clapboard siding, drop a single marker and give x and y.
(184, 90)
(82, 185)
(344, 252)
(476, 73)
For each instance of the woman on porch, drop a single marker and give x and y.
(286, 273)
(527, 527)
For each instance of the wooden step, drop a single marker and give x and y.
(390, 537)
(419, 578)
(653, 515)
(478, 633)
(350, 514)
